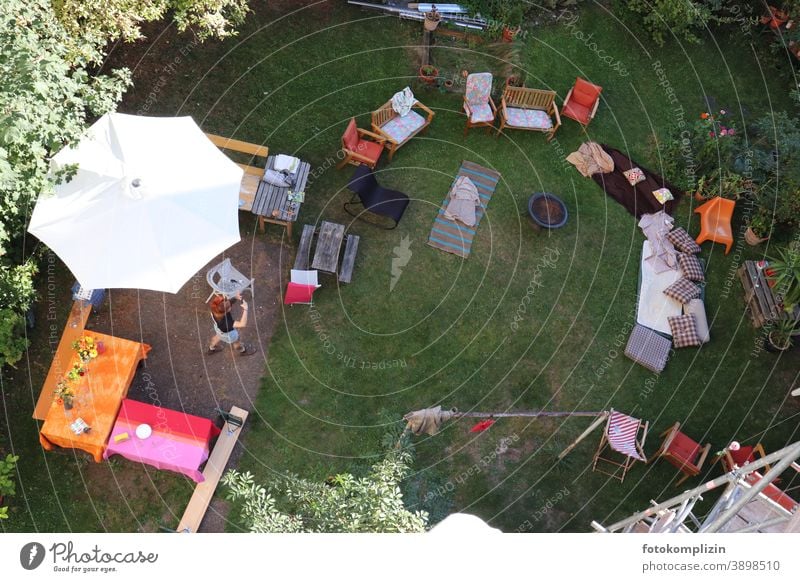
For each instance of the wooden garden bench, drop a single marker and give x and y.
(531, 109)
(396, 130)
(304, 250)
(252, 174)
(349, 260)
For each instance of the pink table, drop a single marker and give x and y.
(179, 442)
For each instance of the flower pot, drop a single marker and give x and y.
(428, 74)
(448, 84)
(510, 33)
(68, 404)
(752, 238)
(513, 81)
(431, 22)
(773, 343)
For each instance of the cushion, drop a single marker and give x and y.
(691, 267)
(401, 128)
(634, 176)
(577, 112)
(684, 331)
(296, 293)
(697, 308)
(663, 195)
(684, 448)
(585, 93)
(682, 290)
(480, 112)
(648, 348)
(369, 149)
(350, 137)
(528, 118)
(743, 456)
(682, 241)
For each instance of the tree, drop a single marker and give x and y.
(343, 503)
(109, 20)
(46, 95)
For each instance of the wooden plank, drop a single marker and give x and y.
(349, 260)
(198, 504)
(236, 145)
(304, 250)
(76, 323)
(326, 257)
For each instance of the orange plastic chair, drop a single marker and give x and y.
(715, 222)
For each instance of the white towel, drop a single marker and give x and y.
(403, 101)
(288, 163)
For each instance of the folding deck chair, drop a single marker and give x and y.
(621, 436)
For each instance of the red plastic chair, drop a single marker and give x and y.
(582, 101)
(715, 222)
(682, 452)
(358, 151)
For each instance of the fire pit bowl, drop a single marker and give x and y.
(547, 210)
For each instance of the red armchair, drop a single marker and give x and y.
(582, 101)
(358, 151)
(682, 452)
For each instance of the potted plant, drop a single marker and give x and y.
(759, 228)
(7, 485)
(512, 15)
(784, 272)
(428, 74)
(782, 335)
(432, 19)
(514, 81)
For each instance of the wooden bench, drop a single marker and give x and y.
(304, 250)
(386, 115)
(198, 504)
(349, 260)
(252, 174)
(530, 102)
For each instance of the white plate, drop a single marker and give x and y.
(143, 431)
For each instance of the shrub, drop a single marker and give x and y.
(683, 19)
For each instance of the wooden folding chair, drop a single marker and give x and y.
(622, 437)
(682, 452)
(740, 456)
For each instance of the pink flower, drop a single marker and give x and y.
(710, 134)
(731, 131)
(723, 132)
(722, 112)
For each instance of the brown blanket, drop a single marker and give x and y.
(637, 199)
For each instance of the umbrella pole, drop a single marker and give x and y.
(524, 413)
(598, 421)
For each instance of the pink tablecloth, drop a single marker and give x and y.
(179, 442)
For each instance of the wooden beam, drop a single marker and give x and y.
(198, 504)
(76, 323)
(236, 145)
(598, 421)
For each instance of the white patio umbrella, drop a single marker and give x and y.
(153, 201)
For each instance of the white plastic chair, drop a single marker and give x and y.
(226, 280)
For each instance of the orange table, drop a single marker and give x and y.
(106, 385)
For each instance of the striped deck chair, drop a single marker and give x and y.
(621, 437)
(451, 236)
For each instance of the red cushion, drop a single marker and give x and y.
(743, 456)
(369, 149)
(296, 293)
(772, 492)
(577, 112)
(585, 93)
(164, 419)
(684, 448)
(350, 137)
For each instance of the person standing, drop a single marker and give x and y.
(226, 329)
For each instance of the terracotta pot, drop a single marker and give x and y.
(510, 33)
(699, 197)
(752, 238)
(430, 79)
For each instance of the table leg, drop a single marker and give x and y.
(261, 227)
(289, 230)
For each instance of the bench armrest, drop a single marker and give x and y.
(373, 135)
(426, 109)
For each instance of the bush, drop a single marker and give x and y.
(682, 19)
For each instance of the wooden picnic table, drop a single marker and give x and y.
(272, 203)
(326, 256)
(329, 243)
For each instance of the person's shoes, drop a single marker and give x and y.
(247, 350)
(213, 351)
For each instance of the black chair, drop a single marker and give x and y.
(375, 198)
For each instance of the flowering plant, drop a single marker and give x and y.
(86, 347)
(714, 121)
(76, 372)
(64, 392)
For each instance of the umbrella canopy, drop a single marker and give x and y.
(152, 202)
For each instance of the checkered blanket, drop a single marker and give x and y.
(648, 348)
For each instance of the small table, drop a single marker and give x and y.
(272, 203)
(106, 384)
(329, 243)
(179, 441)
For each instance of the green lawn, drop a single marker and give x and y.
(338, 375)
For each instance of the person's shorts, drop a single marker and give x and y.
(230, 337)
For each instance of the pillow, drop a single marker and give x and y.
(634, 176)
(691, 267)
(684, 331)
(682, 241)
(350, 136)
(683, 290)
(697, 308)
(663, 195)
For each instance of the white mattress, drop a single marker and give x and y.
(654, 307)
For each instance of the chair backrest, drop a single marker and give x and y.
(363, 182)
(479, 88)
(383, 114)
(526, 98)
(226, 280)
(585, 93)
(301, 277)
(622, 431)
(350, 136)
